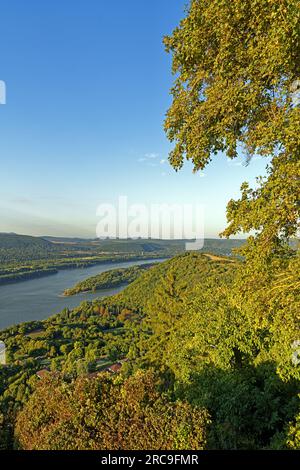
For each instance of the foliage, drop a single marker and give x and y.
(180, 317)
(293, 441)
(107, 414)
(109, 279)
(236, 63)
(222, 335)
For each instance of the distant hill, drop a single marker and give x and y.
(141, 245)
(67, 239)
(15, 247)
(13, 240)
(20, 248)
(217, 246)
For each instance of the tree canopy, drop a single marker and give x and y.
(236, 64)
(222, 334)
(107, 414)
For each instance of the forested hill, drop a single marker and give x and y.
(215, 245)
(183, 273)
(16, 250)
(15, 247)
(181, 319)
(13, 240)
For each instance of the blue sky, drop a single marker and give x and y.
(87, 90)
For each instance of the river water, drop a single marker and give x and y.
(37, 299)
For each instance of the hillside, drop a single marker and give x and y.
(18, 248)
(19, 242)
(24, 257)
(217, 246)
(14, 248)
(187, 270)
(180, 319)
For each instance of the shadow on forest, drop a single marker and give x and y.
(250, 407)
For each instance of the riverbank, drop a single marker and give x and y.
(108, 280)
(24, 273)
(40, 298)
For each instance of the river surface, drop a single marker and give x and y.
(37, 299)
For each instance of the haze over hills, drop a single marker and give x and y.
(24, 257)
(14, 240)
(48, 244)
(13, 247)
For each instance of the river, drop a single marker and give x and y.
(37, 299)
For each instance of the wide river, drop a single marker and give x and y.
(37, 299)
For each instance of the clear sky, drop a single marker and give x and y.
(87, 90)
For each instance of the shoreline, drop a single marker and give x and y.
(35, 274)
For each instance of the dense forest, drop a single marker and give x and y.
(200, 351)
(183, 337)
(79, 346)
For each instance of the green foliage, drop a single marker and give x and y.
(223, 335)
(109, 279)
(169, 302)
(15, 247)
(75, 342)
(293, 440)
(211, 352)
(107, 414)
(236, 61)
(182, 317)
